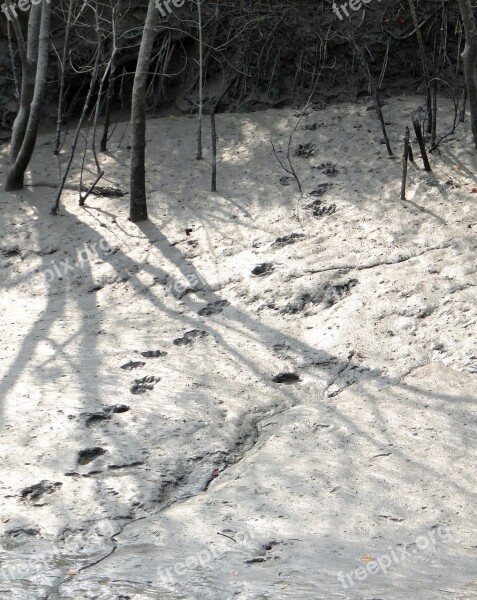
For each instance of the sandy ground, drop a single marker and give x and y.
(227, 402)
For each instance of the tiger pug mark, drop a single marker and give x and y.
(190, 337)
(318, 209)
(141, 386)
(213, 308)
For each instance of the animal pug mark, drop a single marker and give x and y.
(133, 365)
(153, 354)
(213, 308)
(286, 240)
(141, 386)
(324, 211)
(305, 150)
(37, 491)
(190, 337)
(89, 454)
(320, 189)
(105, 415)
(337, 292)
(328, 168)
(285, 180)
(263, 269)
(318, 209)
(286, 378)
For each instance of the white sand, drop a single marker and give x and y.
(374, 308)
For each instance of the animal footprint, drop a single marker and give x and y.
(213, 308)
(153, 354)
(318, 209)
(328, 168)
(288, 239)
(133, 365)
(286, 378)
(320, 189)
(190, 337)
(89, 454)
(305, 150)
(39, 490)
(336, 293)
(141, 386)
(263, 269)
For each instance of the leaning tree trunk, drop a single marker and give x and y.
(469, 60)
(17, 169)
(29, 59)
(138, 201)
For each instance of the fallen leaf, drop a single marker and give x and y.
(473, 190)
(458, 166)
(284, 586)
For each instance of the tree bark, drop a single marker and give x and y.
(29, 60)
(201, 82)
(138, 200)
(23, 156)
(469, 60)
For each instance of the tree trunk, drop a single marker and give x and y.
(59, 117)
(425, 69)
(29, 59)
(17, 169)
(469, 60)
(201, 83)
(138, 201)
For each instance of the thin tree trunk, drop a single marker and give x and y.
(59, 117)
(138, 200)
(17, 169)
(404, 164)
(422, 146)
(107, 109)
(425, 69)
(375, 93)
(29, 59)
(110, 92)
(213, 131)
(463, 105)
(201, 83)
(434, 112)
(16, 79)
(74, 143)
(469, 60)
